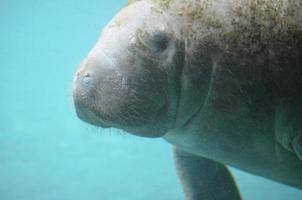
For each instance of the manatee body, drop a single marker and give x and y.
(221, 80)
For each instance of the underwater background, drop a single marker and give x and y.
(46, 152)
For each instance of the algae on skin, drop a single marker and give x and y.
(164, 4)
(253, 24)
(265, 21)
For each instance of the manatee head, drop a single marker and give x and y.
(130, 79)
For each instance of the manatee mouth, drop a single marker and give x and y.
(137, 110)
(127, 123)
(87, 115)
(146, 127)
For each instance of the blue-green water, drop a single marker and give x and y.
(46, 153)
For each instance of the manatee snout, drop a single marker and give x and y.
(91, 93)
(114, 96)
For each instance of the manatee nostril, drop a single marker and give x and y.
(87, 75)
(86, 78)
(83, 79)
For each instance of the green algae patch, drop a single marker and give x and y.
(163, 4)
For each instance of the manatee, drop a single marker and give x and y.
(220, 80)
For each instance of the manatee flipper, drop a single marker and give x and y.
(288, 124)
(204, 179)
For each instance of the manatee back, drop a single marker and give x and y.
(256, 41)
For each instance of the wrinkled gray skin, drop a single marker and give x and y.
(220, 80)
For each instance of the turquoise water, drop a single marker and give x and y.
(46, 153)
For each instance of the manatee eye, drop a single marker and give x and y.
(159, 41)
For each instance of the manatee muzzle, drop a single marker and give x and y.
(106, 97)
